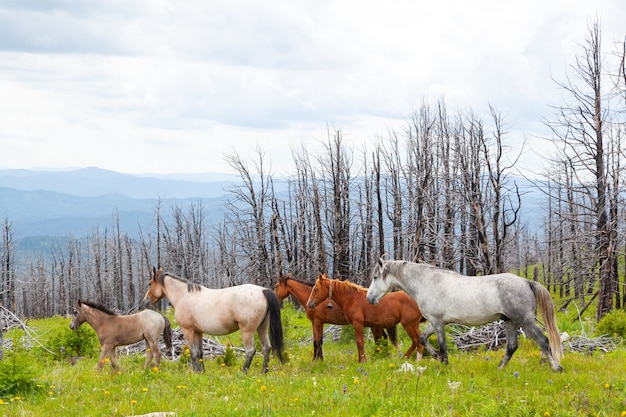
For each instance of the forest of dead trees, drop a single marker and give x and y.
(443, 190)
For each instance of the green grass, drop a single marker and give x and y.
(591, 385)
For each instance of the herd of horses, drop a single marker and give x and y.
(400, 292)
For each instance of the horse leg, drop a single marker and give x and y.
(511, 342)
(249, 347)
(378, 333)
(318, 336)
(194, 341)
(104, 352)
(153, 352)
(156, 352)
(440, 331)
(414, 334)
(537, 335)
(113, 359)
(265, 342)
(360, 340)
(428, 331)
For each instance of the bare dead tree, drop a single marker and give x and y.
(578, 127)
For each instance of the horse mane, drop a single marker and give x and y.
(349, 284)
(394, 267)
(287, 277)
(100, 307)
(191, 286)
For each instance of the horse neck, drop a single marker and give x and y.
(341, 292)
(299, 290)
(93, 316)
(174, 289)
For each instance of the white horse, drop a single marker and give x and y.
(445, 296)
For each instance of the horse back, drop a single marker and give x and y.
(222, 311)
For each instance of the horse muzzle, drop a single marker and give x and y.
(372, 300)
(146, 302)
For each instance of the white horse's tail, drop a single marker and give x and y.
(546, 307)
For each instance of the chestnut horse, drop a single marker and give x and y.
(248, 308)
(396, 308)
(330, 313)
(114, 330)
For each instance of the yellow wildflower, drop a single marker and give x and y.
(263, 388)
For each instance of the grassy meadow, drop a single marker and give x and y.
(591, 384)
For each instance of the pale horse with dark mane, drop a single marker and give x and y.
(445, 296)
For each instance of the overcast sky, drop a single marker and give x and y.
(159, 86)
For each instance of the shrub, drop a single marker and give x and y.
(17, 374)
(613, 324)
(229, 358)
(67, 343)
(382, 348)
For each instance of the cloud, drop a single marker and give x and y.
(158, 78)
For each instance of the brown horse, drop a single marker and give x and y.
(395, 308)
(114, 330)
(248, 308)
(330, 313)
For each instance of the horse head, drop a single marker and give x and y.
(320, 291)
(280, 288)
(156, 289)
(78, 316)
(378, 287)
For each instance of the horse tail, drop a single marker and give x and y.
(276, 325)
(167, 335)
(544, 302)
(393, 335)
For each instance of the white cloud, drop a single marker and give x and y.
(130, 85)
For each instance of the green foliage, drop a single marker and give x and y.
(17, 373)
(382, 349)
(613, 324)
(347, 334)
(229, 358)
(66, 343)
(471, 384)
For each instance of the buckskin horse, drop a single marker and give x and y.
(197, 309)
(117, 330)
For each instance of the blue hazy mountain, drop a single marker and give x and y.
(77, 202)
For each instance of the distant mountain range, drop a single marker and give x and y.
(96, 182)
(46, 205)
(76, 202)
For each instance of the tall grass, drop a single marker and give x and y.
(472, 384)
